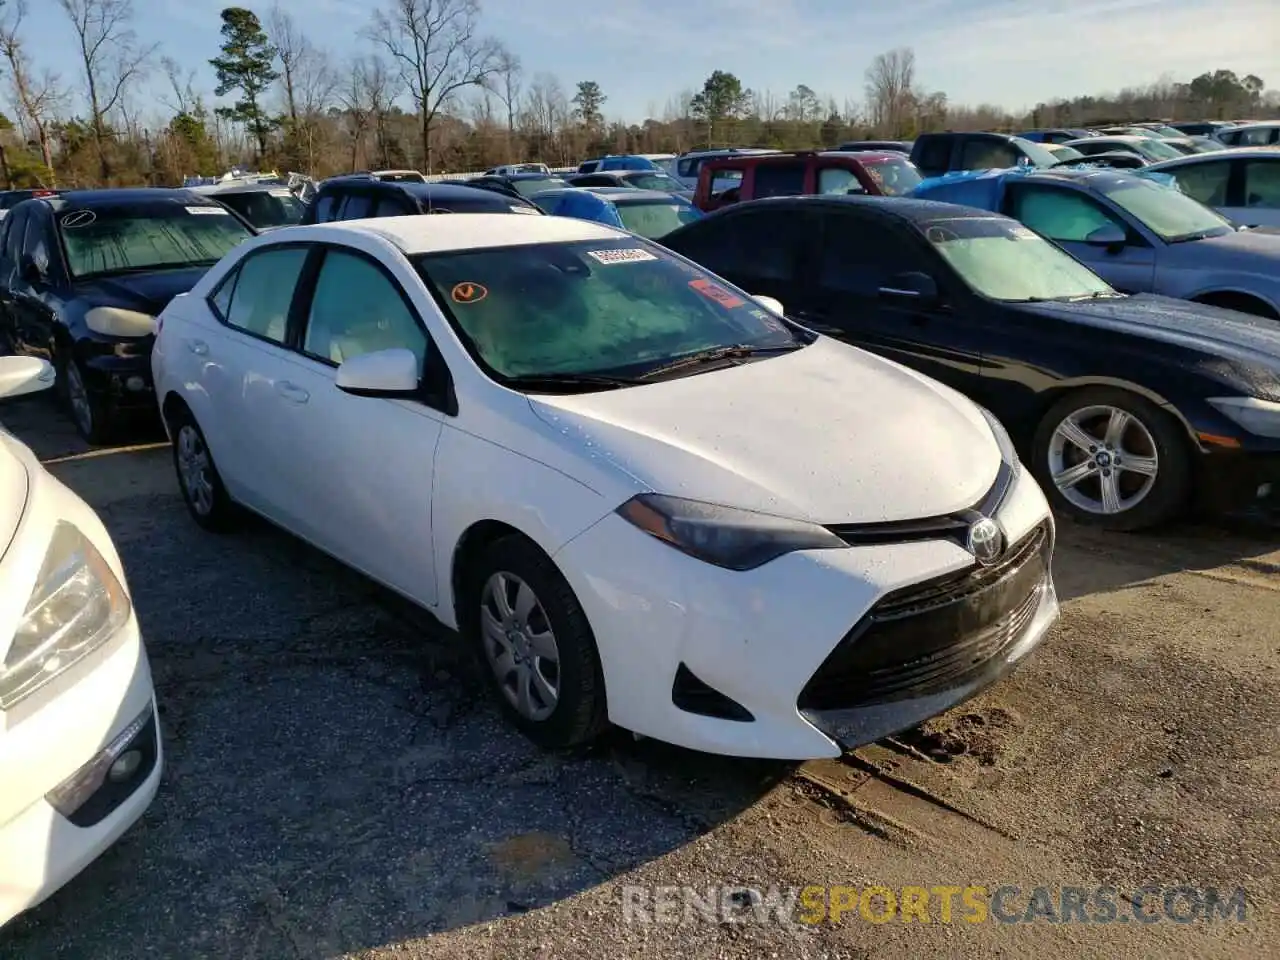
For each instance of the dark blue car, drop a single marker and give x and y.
(649, 213)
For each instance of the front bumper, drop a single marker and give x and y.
(118, 373)
(40, 848)
(1236, 479)
(671, 629)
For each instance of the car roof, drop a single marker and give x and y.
(1255, 124)
(213, 189)
(124, 196)
(867, 156)
(1113, 137)
(1237, 153)
(423, 191)
(913, 209)
(471, 231)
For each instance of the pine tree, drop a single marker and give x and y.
(247, 64)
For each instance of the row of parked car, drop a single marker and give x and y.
(623, 468)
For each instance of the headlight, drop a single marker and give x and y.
(1259, 417)
(76, 606)
(1007, 451)
(115, 322)
(724, 536)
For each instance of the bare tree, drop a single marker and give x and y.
(436, 48)
(111, 59)
(182, 86)
(37, 97)
(383, 87)
(891, 90)
(353, 97)
(506, 85)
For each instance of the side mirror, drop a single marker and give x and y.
(383, 373)
(23, 375)
(1110, 236)
(917, 287)
(770, 304)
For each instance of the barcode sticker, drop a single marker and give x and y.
(631, 255)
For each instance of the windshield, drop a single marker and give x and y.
(1167, 212)
(655, 218)
(653, 181)
(148, 236)
(1161, 130)
(895, 177)
(1036, 152)
(1003, 260)
(528, 186)
(265, 208)
(1154, 149)
(603, 307)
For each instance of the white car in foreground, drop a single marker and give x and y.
(644, 496)
(80, 754)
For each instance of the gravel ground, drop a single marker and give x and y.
(338, 785)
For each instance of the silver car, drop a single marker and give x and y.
(1242, 184)
(1144, 237)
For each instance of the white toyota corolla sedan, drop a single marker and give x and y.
(642, 494)
(80, 754)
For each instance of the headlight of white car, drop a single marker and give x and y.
(1259, 417)
(76, 606)
(725, 536)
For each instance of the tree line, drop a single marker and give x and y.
(431, 90)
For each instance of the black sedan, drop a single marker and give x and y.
(83, 276)
(1125, 407)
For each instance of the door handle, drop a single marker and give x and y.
(292, 392)
(198, 347)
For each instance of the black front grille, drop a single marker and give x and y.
(932, 636)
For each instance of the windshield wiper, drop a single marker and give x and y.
(739, 351)
(560, 381)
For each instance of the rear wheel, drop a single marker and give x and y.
(202, 490)
(1111, 459)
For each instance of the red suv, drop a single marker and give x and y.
(753, 176)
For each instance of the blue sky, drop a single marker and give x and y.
(1010, 52)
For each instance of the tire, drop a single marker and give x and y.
(577, 714)
(93, 419)
(198, 479)
(1149, 437)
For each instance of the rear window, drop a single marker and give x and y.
(895, 177)
(109, 239)
(656, 218)
(276, 207)
(535, 185)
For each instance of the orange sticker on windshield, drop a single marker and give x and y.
(469, 293)
(717, 293)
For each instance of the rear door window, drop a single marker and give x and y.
(357, 206)
(934, 155)
(1262, 184)
(326, 207)
(983, 154)
(778, 180)
(255, 297)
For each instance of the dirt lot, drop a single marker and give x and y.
(337, 784)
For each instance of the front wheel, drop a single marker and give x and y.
(1111, 459)
(91, 415)
(536, 646)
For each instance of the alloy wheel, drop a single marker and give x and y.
(194, 469)
(1103, 459)
(520, 645)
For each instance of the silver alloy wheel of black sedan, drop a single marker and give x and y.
(1103, 460)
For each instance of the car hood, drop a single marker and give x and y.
(1258, 247)
(145, 292)
(828, 433)
(1226, 333)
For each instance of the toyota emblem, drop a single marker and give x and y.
(985, 541)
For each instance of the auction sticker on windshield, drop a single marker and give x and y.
(468, 293)
(206, 211)
(717, 293)
(633, 255)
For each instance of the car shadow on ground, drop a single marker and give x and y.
(336, 775)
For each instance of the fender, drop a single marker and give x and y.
(1067, 385)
